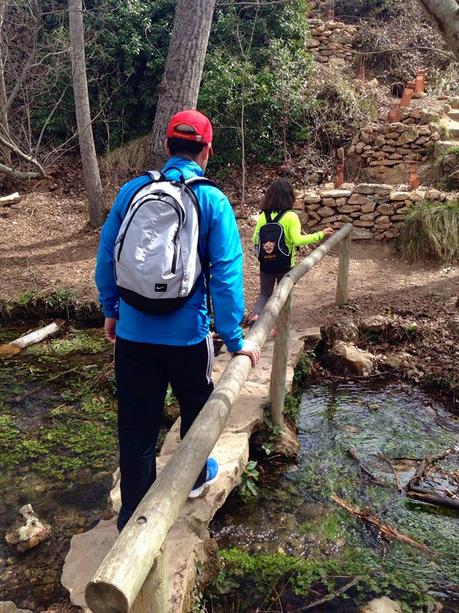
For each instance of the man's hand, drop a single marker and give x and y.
(251, 349)
(110, 329)
(328, 232)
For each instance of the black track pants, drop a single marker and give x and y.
(143, 372)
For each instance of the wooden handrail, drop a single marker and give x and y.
(124, 569)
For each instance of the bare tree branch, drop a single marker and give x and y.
(23, 155)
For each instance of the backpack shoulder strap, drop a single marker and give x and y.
(196, 180)
(268, 216)
(279, 216)
(155, 176)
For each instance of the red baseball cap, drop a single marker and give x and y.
(190, 125)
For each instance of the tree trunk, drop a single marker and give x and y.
(185, 61)
(4, 121)
(83, 116)
(445, 16)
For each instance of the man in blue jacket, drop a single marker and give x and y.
(153, 351)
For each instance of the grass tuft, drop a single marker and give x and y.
(431, 232)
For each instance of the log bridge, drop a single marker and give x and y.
(132, 576)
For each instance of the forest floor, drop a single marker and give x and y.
(47, 246)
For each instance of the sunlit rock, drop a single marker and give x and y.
(31, 531)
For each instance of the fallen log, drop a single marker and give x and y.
(423, 495)
(36, 336)
(388, 531)
(9, 200)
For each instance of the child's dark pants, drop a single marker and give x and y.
(267, 283)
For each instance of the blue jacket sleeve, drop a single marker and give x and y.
(226, 277)
(105, 274)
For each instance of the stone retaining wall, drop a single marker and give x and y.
(386, 152)
(376, 210)
(331, 41)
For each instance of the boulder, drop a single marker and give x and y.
(343, 330)
(28, 532)
(396, 196)
(368, 208)
(357, 199)
(287, 444)
(406, 137)
(351, 359)
(336, 193)
(379, 190)
(386, 209)
(310, 198)
(311, 338)
(360, 234)
(381, 605)
(375, 325)
(10, 607)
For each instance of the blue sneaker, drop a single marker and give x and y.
(211, 476)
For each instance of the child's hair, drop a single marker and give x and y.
(279, 196)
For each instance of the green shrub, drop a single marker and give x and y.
(431, 232)
(255, 81)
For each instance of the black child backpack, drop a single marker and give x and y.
(273, 254)
(156, 255)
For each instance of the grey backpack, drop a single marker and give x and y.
(156, 255)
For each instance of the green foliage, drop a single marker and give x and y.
(249, 579)
(247, 486)
(431, 232)
(81, 431)
(303, 369)
(255, 54)
(255, 80)
(15, 447)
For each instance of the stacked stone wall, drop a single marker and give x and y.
(376, 210)
(387, 152)
(331, 41)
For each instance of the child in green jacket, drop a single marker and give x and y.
(276, 237)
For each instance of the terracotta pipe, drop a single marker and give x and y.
(407, 94)
(339, 180)
(414, 178)
(420, 81)
(393, 116)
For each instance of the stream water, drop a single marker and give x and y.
(294, 538)
(57, 452)
(290, 545)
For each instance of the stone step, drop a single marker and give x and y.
(442, 147)
(453, 132)
(454, 102)
(454, 115)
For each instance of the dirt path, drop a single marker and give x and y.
(46, 245)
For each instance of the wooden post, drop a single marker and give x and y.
(342, 293)
(280, 360)
(153, 596)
